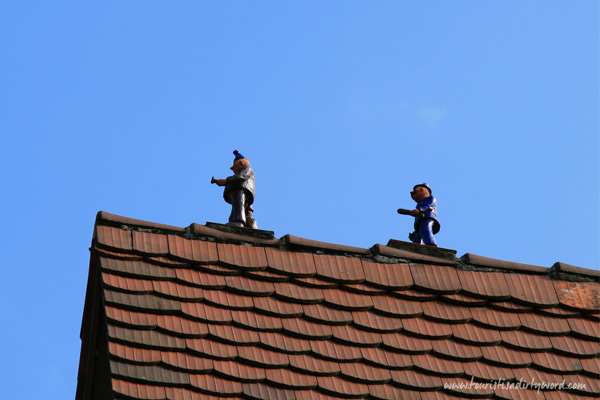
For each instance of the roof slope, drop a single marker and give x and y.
(175, 313)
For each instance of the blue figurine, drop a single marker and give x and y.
(426, 222)
(239, 192)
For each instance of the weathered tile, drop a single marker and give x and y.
(578, 295)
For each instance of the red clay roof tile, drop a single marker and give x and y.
(572, 346)
(446, 313)
(308, 364)
(209, 314)
(137, 355)
(387, 359)
(335, 351)
(139, 391)
(363, 373)
(373, 322)
(339, 269)
(524, 341)
(337, 386)
(505, 357)
(495, 319)
(578, 295)
(290, 263)
(276, 307)
(200, 278)
(150, 243)
(255, 321)
(415, 380)
(544, 325)
(192, 250)
(289, 292)
(289, 379)
(114, 238)
(532, 289)
(438, 279)
(395, 307)
(426, 329)
(388, 276)
(475, 335)
(284, 344)
(453, 350)
(430, 364)
(306, 329)
(187, 362)
(224, 299)
(347, 300)
(180, 326)
(323, 314)
(211, 384)
(211, 349)
(238, 372)
(406, 344)
(489, 285)
(242, 257)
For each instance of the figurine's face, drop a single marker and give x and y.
(419, 193)
(238, 165)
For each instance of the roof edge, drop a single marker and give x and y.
(474, 259)
(105, 218)
(572, 269)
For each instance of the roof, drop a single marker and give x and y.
(211, 311)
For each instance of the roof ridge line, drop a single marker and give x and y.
(397, 252)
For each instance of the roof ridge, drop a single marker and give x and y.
(394, 252)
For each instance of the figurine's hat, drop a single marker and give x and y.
(238, 155)
(425, 185)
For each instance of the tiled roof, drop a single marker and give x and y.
(211, 312)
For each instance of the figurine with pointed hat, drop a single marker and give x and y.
(239, 191)
(426, 222)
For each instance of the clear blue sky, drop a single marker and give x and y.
(341, 106)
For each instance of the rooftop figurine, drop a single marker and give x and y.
(426, 222)
(239, 192)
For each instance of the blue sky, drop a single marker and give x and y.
(341, 107)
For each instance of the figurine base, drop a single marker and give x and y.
(434, 251)
(258, 233)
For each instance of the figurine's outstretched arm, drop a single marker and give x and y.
(219, 182)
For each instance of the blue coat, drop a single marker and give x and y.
(428, 208)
